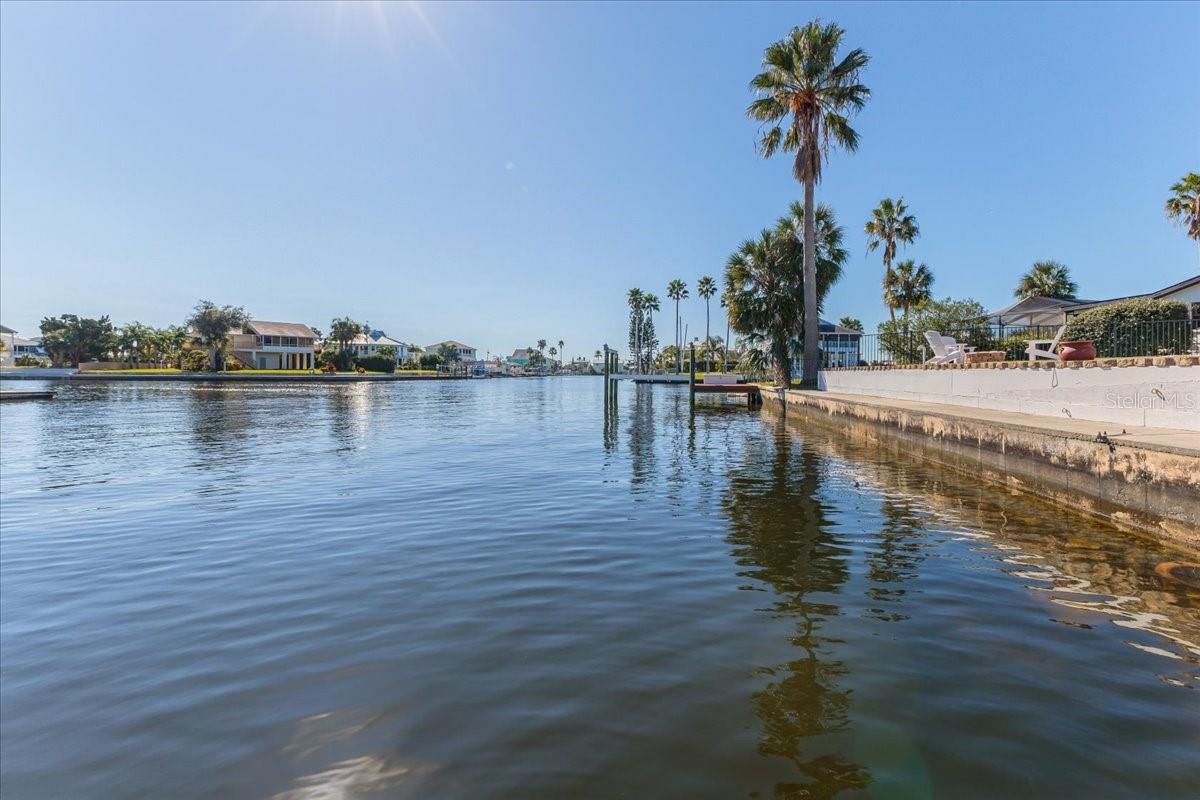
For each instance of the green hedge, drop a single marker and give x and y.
(194, 360)
(376, 364)
(1134, 328)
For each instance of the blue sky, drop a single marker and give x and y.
(502, 173)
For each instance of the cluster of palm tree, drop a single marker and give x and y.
(774, 283)
(643, 340)
(766, 294)
(537, 355)
(642, 336)
(907, 284)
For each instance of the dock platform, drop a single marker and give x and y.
(12, 394)
(752, 390)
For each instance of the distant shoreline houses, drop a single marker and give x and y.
(16, 346)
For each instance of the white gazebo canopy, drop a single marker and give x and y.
(1034, 311)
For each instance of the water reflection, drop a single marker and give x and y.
(349, 409)
(895, 559)
(780, 534)
(643, 428)
(1075, 562)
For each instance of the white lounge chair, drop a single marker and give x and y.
(945, 349)
(1044, 348)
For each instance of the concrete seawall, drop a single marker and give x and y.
(1142, 479)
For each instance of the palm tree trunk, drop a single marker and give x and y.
(812, 353)
(678, 344)
(725, 361)
(707, 339)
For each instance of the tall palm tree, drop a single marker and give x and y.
(1047, 279)
(650, 305)
(677, 290)
(561, 353)
(635, 299)
(910, 286)
(706, 287)
(1184, 205)
(553, 353)
(804, 82)
(890, 224)
(541, 345)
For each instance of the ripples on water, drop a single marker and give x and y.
(491, 589)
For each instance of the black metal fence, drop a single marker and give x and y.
(1126, 340)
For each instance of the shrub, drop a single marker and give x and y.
(194, 361)
(233, 365)
(329, 368)
(26, 360)
(375, 364)
(1016, 344)
(904, 342)
(1133, 328)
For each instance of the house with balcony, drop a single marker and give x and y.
(839, 346)
(369, 343)
(274, 345)
(458, 351)
(16, 346)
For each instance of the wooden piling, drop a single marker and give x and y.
(692, 374)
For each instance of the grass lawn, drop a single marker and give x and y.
(138, 371)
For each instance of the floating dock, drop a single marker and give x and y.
(9, 394)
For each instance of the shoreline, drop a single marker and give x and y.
(1143, 481)
(208, 377)
(114, 376)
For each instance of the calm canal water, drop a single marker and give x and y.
(489, 589)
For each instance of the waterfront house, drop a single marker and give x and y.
(463, 352)
(10, 339)
(1054, 312)
(274, 345)
(519, 357)
(368, 344)
(1186, 291)
(16, 346)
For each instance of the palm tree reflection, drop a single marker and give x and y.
(894, 561)
(780, 535)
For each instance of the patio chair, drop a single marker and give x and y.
(1044, 348)
(945, 349)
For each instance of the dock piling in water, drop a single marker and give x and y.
(692, 374)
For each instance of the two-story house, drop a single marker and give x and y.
(274, 345)
(464, 352)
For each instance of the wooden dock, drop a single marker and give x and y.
(11, 394)
(752, 390)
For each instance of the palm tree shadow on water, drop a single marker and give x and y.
(781, 537)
